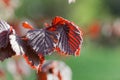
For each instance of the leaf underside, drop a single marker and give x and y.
(42, 41)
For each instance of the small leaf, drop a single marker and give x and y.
(70, 38)
(10, 44)
(5, 47)
(42, 41)
(31, 57)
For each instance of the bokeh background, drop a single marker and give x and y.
(99, 21)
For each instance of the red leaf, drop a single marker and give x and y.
(70, 38)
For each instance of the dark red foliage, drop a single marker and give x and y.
(70, 39)
(62, 36)
(6, 50)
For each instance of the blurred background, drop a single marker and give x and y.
(98, 19)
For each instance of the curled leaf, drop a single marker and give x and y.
(70, 39)
(10, 44)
